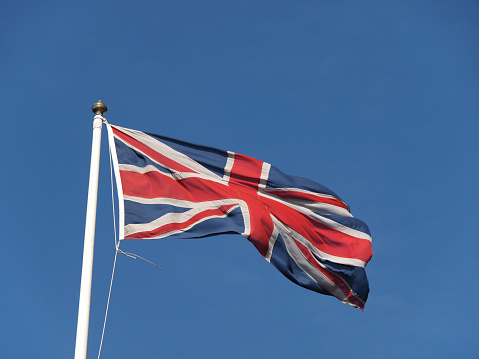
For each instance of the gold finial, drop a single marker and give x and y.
(99, 108)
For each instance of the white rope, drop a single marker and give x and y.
(117, 248)
(107, 304)
(136, 256)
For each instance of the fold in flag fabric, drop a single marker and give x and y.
(171, 188)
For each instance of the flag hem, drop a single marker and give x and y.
(119, 187)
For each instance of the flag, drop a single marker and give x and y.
(172, 188)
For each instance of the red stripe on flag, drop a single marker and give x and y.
(338, 281)
(246, 172)
(162, 159)
(307, 197)
(153, 184)
(326, 239)
(169, 227)
(245, 176)
(260, 220)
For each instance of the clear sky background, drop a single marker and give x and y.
(377, 100)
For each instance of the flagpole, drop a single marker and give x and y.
(81, 344)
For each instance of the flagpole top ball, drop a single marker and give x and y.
(99, 108)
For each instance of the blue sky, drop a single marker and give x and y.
(376, 100)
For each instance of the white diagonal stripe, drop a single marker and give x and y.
(272, 241)
(326, 221)
(317, 207)
(323, 255)
(170, 218)
(170, 233)
(198, 206)
(314, 205)
(175, 175)
(183, 203)
(310, 270)
(305, 191)
(165, 150)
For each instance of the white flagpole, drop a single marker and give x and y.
(81, 345)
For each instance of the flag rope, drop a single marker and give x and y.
(117, 248)
(107, 304)
(136, 256)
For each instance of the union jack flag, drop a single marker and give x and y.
(171, 188)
